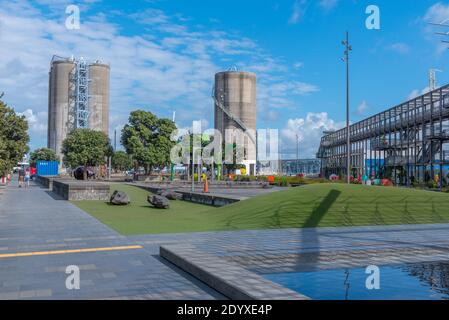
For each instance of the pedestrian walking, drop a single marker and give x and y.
(21, 177)
(27, 179)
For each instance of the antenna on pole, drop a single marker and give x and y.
(444, 24)
(433, 79)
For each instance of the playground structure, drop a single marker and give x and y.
(407, 143)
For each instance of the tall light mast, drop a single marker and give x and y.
(348, 48)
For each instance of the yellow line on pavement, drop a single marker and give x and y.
(44, 253)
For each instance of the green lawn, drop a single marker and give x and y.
(319, 205)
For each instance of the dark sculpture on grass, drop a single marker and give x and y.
(119, 198)
(159, 201)
(78, 173)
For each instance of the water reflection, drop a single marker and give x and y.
(433, 274)
(419, 281)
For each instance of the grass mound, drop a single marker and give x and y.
(325, 205)
(318, 205)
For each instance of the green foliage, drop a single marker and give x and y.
(285, 181)
(245, 178)
(86, 147)
(42, 154)
(282, 181)
(14, 138)
(147, 139)
(121, 161)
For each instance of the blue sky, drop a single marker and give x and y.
(164, 54)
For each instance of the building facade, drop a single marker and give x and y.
(408, 143)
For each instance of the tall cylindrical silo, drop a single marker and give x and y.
(99, 97)
(236, 92)
(58, 104)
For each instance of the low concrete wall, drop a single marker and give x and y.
(203, 198)
(231, 280)
(80, 190)
(45, 181)
(217, 184)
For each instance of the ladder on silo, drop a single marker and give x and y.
(233, 118)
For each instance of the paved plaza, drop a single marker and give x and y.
(37, 224)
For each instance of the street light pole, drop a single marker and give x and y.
(297, 154)
(193, 162)
(348, 48)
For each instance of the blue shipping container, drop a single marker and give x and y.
(47, 168)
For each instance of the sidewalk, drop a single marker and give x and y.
(31, 220)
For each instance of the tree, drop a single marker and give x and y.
(14, 138)
(42, 154)
(121, 161)
(86, 147)
(147, 139)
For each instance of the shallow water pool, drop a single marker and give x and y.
(420, 281)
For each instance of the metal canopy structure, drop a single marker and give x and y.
(405, 143)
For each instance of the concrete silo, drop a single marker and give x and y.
(99, 97)
(235, 108)
(58, 102)
(78, 97)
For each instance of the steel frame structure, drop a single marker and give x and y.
(405, 143)
(80, 95)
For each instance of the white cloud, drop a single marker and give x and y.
(298, 65)
(416, 93)
(37, 122)
(362, 108)
(328, 4)
(161, 71)
(437, 13)
(271, 115)
(304, 88)
(297, 12)
(310, 130)
(151, 16)
(400, 47)
(413, 94)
